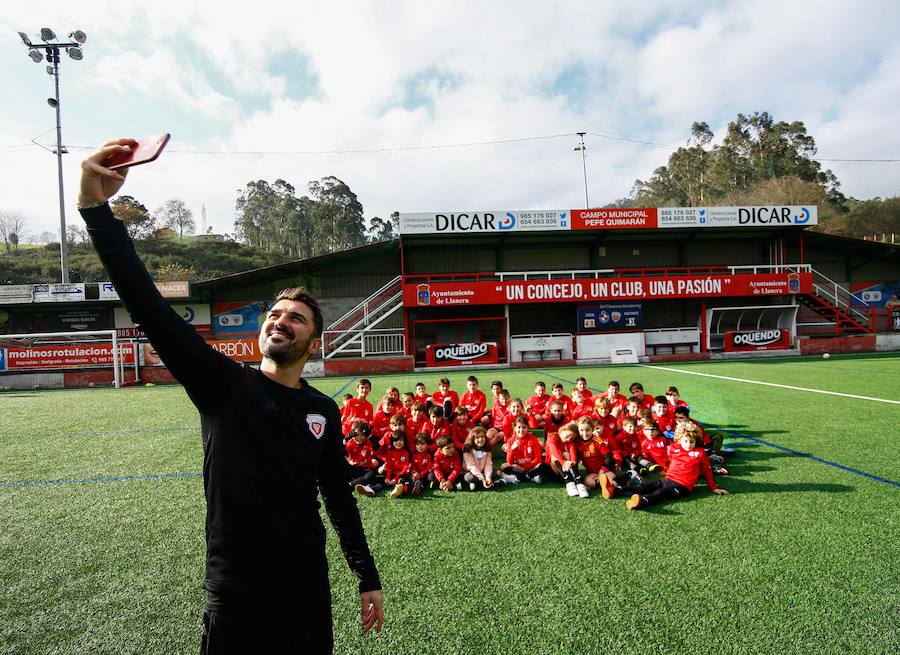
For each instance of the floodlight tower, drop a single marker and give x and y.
(51, 46)
(582, 148)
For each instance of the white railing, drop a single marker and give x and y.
(363, 343)
(553, 275)
(772, 268)
(370, 305)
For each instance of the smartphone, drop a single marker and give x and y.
(147, 150)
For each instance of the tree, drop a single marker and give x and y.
(76, 235)
(865, 218)
(755, 148)
(175, 215)
(337, 215)
(138, 221)
(383, 230)
(48, 237)
(12, 226)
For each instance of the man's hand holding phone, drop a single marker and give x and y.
(103, 173)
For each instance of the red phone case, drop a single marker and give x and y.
(147, 150)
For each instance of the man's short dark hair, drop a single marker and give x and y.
(299, 294)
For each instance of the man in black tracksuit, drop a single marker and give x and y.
(271, 443)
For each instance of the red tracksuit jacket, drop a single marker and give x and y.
(356, 408)
(360, 454)
(396, 463)
(525, 452)
(556, 450)
(421, 464)
(685, 467)
(476, 403)
(447, 468)
(656, 450)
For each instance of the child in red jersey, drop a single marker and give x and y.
(561, 462)
(616, 400)
(395, 471)
(559, 393)
(593, 452)
(711, 443)
(629, 442)
(421, 395)
(686, 463)
(663, 417)
(445, 397)
(537, 406)
(345, 408)
(488, 418)
(459, 429)
(407, 400)
(397, 425)
(603, 413)
(581, 385)
(631, 408)
(580, 406)
(674, 399)
(654, 447)
(381, 421)
(420, 465)
(523, 455)
(447, 467)
(361, 455)
(417, 424)
(478, 463)
(440, 427)
(516, 410)
(358, 407)
(501, 409)
(556, 418)
(637, 391)
(474, 400)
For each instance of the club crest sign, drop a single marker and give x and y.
(316, 424)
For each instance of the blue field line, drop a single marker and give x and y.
(782, 448)
(339, 391)
(807, 456)
(114, 433)
(125, 478)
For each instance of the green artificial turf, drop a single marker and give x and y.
(803, 557)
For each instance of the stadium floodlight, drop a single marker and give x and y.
(582, 148)
(51, 47)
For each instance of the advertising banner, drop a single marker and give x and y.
(238, 317)
(609, 317)
(875, 294)
(196, 315)
(176, 289)
(612, 218)
(59, 292)
(461, 354)
(773, 339)
(15, 293)
(442, 294)
(240, 350)
(63, 320)
(65, 356)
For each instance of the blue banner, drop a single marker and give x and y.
(610, 317)
(2, 359)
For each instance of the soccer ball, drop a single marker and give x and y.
(825, 355)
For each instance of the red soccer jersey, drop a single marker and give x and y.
(538, 404)
(586, 394)
(557, 450)
(619, 401)
(685, 466)
(552, 426)
(476, 403)
(524, 452)
(397, 462)
(592, 453)
(508, 421)
(415, 428)
(567, 404)
(583, 409)
(421, 398)
(656, 450)
(675, 405)
(498, 414)
(440, 429)
(610, 424)
(356, 408)
(666, 422)
(459, 432)
(438, 399)
(629, 444)
(447, 468)
(381, 423)
(420, 464)
(647, 401)
(360, 454)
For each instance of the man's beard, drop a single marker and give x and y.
(284, 353)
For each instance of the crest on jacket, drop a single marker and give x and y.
(316, 424)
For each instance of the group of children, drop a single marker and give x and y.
(607, 441)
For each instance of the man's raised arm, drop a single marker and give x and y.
(184, 352)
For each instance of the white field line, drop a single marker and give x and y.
(772, 384)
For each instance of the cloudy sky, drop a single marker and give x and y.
(428, 106)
